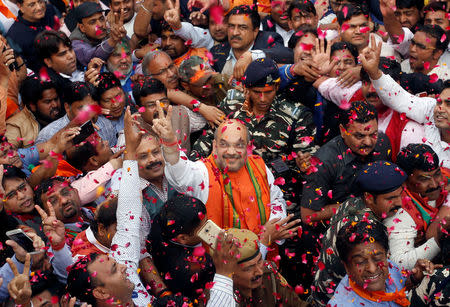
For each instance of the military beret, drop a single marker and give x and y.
(87, 9)
(260, 73)
(380, 177)
(248, 243)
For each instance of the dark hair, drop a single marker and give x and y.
(345, 46)
(78, 156)
(105, 215)
(181, 214)
(80, 282)
(172, 300)
(436, 32)
(303, 6)
(407, 4)
(352, 235)
(146, 87)
(388, 67)
(32, 88)
(352, 11)
(252, 12)
(446, 84)
(107, 81)
(47, 43)
(302, 31)
(417, 156)
(434, 7)
(445, 249)
(46, 281)
(166, 27)
(360, 112)
(77, 91)
(12, 172)
(44, 187)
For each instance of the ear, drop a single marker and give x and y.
(343, 131)
(214, 147)
(81, 27)
(101, 230)
(290, 24)
(181, 238)
(48, 62)
(67, 107)
(368, 198)
(101, 293)
(93, 161)
(437, 54)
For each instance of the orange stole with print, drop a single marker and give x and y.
(201, 52)
(248, 207)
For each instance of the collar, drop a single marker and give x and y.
(91, 239)
(231, 53)
(184, 245)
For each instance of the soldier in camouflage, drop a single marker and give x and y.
(278, 128)
(381, 183)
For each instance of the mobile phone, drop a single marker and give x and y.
(13, 66)
(209, 233)
(21, 238)
(86, 130)
(422, 94)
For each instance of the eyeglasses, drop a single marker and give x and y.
(421, 46)
(163, 71)
(21, 188)
(152, 104)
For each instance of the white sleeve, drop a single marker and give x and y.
(189, 177)
(277, 202)
(221, 294)
(331, 90)
(126, 243)
(397, 98)
(199, 37)
(403, 46)
(402, 233)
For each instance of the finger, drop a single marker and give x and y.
(26, 266)
(12, 266)
(169, 114)
(170, 4)
(159, 109)
(72, 301)
(12, 288)
(51, 210)
(177, 4)
(41, 212)
(117, 154)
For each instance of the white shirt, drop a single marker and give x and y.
(416, 108)
(402, 233)
(231, 60)
(127, 239)
(286, 35)
(198, 36)
(129, 26)
(77, 76)
(441, 69)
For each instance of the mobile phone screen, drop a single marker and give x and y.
(24, 241)
(86, 130)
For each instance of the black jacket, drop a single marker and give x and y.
(22, 33)
(274, 50)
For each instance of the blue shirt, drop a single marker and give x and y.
(29, 157)
(344, 295)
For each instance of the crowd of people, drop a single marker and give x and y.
(224, 153)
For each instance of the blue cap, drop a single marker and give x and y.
(380, 177)
(260, 73)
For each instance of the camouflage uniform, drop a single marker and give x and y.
(327, 279)
(434, 290)
(287, 127)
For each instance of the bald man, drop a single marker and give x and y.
(237, 187)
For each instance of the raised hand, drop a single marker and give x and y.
(225, 256)
(350, 76)
(20, 252)
(370, 59)
(424, 265)
(241, 65)
(117, 30)
(163, 125)
(321, 57)
(53, 228)
(172, 15)
(279, 229)
(198, 19)
(202, 4)
(19, 287)
(387, 7)
(132, 137)
(64, 139)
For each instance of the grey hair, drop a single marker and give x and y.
(150, 56)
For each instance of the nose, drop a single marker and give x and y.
(371, 267)
(235, 31)
(434, 183)
(259, 270)
(403, 18)
(20, 194)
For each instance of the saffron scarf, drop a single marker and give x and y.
(241, 192)
(398, 297)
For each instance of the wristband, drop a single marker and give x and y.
(169, 144)
(59, 246)
(291, 70)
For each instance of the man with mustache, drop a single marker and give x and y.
(237, 188)
(381, 185)
(415, 230)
